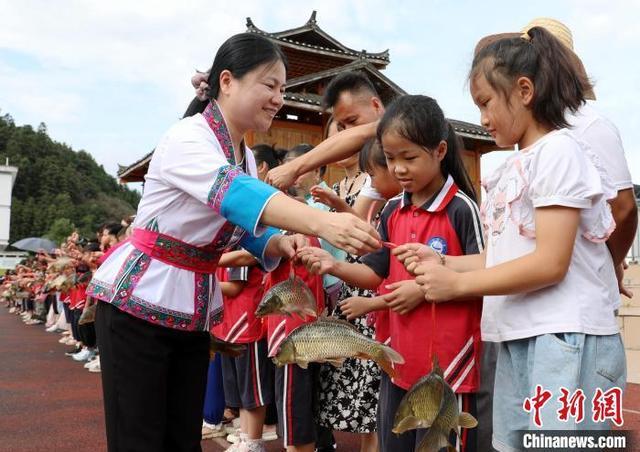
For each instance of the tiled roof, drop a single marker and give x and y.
(333, 45)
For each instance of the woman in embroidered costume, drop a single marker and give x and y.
(159, 290)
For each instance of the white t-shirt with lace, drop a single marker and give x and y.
(557, 170)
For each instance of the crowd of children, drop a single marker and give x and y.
(543, 291)
(50, 289)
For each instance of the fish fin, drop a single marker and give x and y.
(387, 366)
(392, 355)
(303, 364)
(466, 420)
(336, 362)
(300, 315)
(310, 312)
(385, 357)
(410, 423)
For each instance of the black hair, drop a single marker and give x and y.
(352, 82)
(420, 119)
(299, 149)
(546, 62)
(240, 54)
(91, 247)
(113, 228)
(302, 149)
(371, 154)
(268, 154)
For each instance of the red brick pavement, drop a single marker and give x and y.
(50, 403)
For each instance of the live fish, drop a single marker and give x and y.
(333, 340)
(288, 297)
(431, 403)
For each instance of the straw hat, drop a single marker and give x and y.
(555, 27)
(559, 30)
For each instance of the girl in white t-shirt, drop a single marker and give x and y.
(561, 363)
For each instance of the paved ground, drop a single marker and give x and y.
(50, 403)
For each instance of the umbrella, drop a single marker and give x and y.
(35, 244)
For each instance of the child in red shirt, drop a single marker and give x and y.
(295, 387)
(437, 209)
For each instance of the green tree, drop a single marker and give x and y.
(55, 182)
(60, 230)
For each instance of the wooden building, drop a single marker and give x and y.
(315, 58)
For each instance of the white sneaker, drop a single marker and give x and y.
(94, 366)
(210, 431)
(269, 434)
(52, 328)
(91, 361)
(82, 354)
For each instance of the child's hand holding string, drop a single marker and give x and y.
(316, 260)
(413, 254)
(405, 296)
(437, 282)
(329, 198)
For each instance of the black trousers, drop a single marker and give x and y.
(153, 383)
(87, 333)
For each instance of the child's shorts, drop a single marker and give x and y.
(593, 364)
(295, 402)
(248, 379)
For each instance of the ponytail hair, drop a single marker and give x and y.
(541, 57)
(420, 120)
(453, 164)
(240, 54)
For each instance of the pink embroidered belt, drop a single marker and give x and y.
(174, 252)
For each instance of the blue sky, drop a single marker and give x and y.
(110, 77)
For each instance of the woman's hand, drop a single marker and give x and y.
(316, 260)
(355, 307)
(349, 233)
(288, 245)
(413, 254)
(437, 282)
(405, 296)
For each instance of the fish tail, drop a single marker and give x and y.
(386, 357)
(434, 440)
(391, 354)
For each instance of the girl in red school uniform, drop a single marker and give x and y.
(436, 208)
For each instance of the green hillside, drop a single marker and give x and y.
(58, 188)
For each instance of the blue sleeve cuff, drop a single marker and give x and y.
(244, 202)
(258, 245)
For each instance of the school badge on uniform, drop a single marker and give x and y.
(438, 244)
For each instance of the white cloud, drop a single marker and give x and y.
(138, 57)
